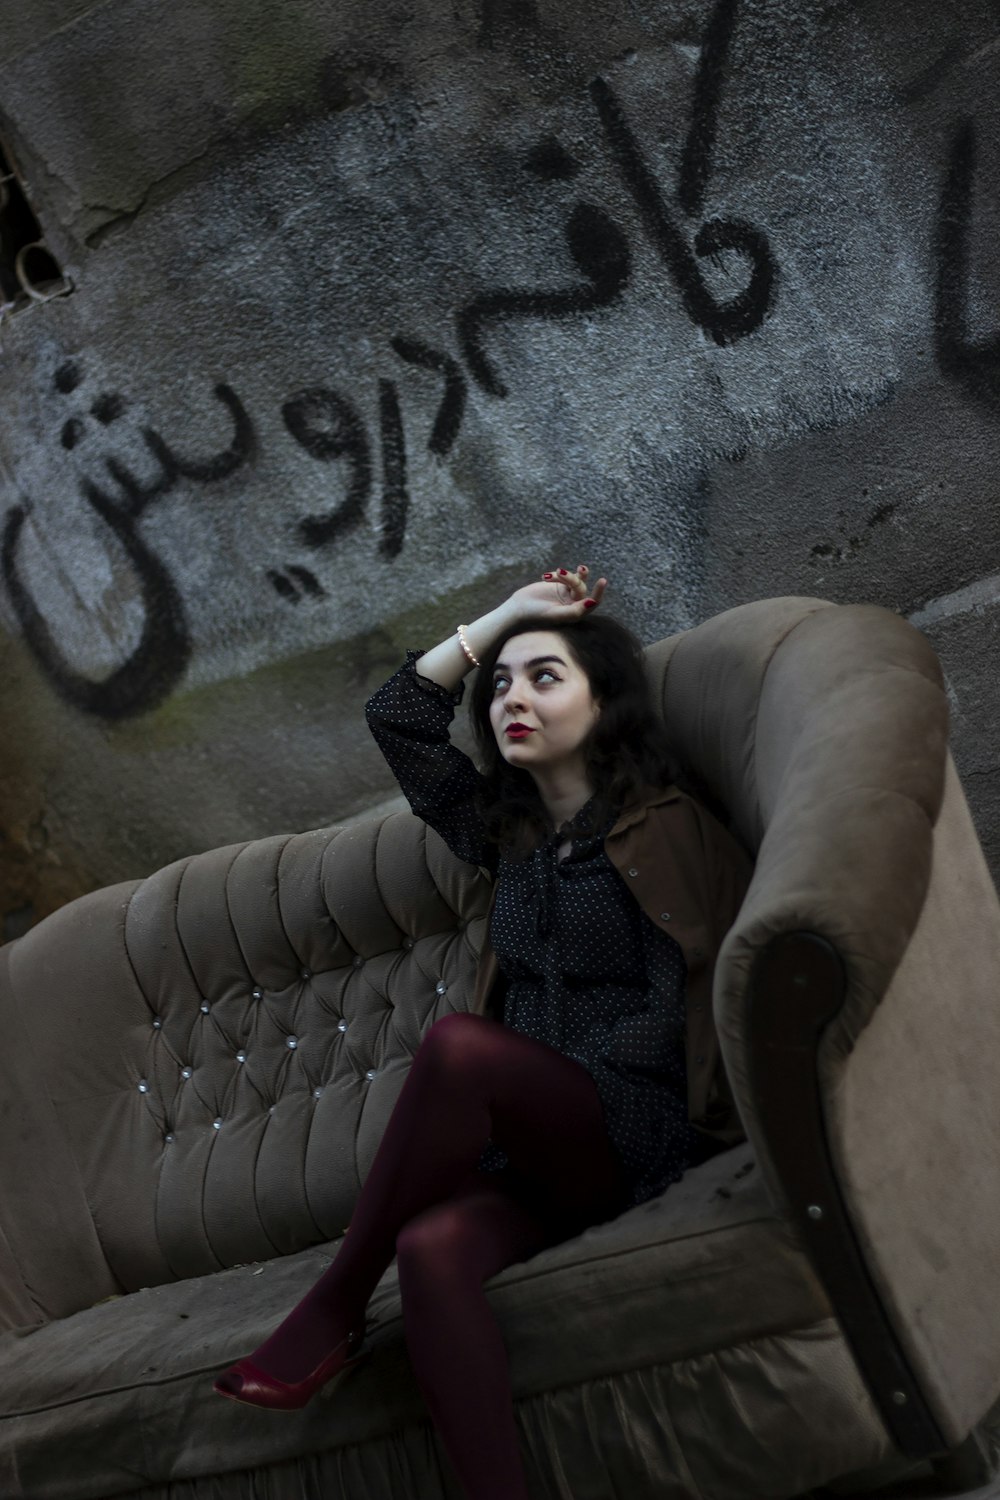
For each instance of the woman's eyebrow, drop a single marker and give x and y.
(536, 661)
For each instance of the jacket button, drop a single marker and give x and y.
(633, 871)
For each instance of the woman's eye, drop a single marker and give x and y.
(498, 682)
(546, 673)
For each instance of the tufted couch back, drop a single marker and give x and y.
(198, 1067)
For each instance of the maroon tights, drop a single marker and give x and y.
(452, 1227)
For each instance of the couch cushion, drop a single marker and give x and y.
(118, 1396)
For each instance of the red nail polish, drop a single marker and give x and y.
(589, 603)
(546, 575)
(563, 573)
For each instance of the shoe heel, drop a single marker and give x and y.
(258, 1388)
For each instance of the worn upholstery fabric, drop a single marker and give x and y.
(831, 749)
(925, 1200)
(631, 1347)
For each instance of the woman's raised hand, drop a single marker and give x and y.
(561, 593)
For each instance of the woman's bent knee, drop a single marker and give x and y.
(431, 1238)
(455, 1039)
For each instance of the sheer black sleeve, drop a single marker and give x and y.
(410, 717)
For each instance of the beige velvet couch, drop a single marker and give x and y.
(197, 1067)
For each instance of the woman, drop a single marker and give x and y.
(584, 1079)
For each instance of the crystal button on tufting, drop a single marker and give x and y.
(441, 987)
(157, 1024)
(341, 1025)
(370, 1074)
(292, 1042)
(204, 1007)
(257, 994)
(143, 1086)
(186, 1072)
(241, 1057)
(216, 1124)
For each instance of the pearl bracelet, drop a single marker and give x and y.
(465, 646)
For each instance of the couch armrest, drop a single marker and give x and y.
(797, 989)
(51, 1261)
(895, 1134)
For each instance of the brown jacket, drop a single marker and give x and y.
(689, 876)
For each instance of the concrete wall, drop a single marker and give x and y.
(378, 311)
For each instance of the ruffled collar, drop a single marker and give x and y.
(578, 824)
(545, 865)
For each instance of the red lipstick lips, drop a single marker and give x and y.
(518, 731)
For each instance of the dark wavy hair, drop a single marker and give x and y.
(626, 750)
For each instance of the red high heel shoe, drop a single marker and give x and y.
(255, 1387)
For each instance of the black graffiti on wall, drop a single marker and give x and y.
(725, 322)
(395, 498)
(699, 148)
(285, 583)
(599, 248)
(323, 422)
(329, 428)
(452, 407)
(156, 665)
(160, 658)
(328, 425)
(601, 254)
(974, 363)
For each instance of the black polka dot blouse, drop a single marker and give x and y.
(587, 972)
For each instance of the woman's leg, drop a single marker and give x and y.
(456, 1348)
(472, 1079)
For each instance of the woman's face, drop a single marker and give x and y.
(542, 708)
